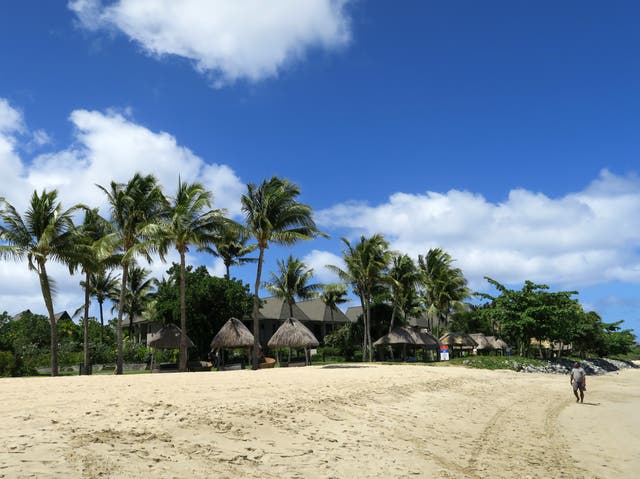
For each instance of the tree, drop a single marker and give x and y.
(104, 286)
(139, 292)
(88, 258)
(445, 286)
(232, 247)
(134, 206)
(273, 215)
(210, 302)
(44, 233)
(332, 295)
(365, 263)
(190, 221)
(292, 281)
(403, 278)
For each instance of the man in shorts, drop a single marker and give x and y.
(578, 378)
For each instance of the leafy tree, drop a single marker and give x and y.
(104, 286)
(140, 291)
(365, 263)
(273, 215)
(445, 286)
(403, 278)
(134, 206)
(292, 281)
(210, 302)
(190, 222)
(44, 233)
(617, 340)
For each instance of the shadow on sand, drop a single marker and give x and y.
(338, 366)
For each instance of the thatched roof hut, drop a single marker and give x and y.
(410, 335)
(167, 337)
(482, 342)
(233, 334)
(458, 340)
(496, 343)
(293, 334)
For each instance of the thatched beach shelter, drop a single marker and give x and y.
(483, 344)
(497, 344)
(233, 335)
(412, 336)
(167, 337)
(293, 334)
(459, 341)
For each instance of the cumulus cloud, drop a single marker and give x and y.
(318, 261)
(228, 39)
(587, 237)
(107, 146)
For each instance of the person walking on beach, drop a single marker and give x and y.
(578, 378)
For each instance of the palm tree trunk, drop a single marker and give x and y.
(46, 294)
(291, 310)
(101, 321)
(256, 311)
(364, 328)
(227, 267)
(85, 322)
(183, 316)
(369, 344)
(125, 272)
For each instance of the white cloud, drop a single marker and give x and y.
(588, 237)
(107, 146)
(318, 261)
(228, 39)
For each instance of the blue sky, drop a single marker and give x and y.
(503, 132)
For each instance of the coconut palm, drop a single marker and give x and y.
(273, 215)
(44, 233)
(89, 259)
(332, 295)
(292, 281)
(232, 247)
(403, 278)
(446, 286)
(139, 292)
(365, 263)
(134, 205)
(190, 222)
(103, 286)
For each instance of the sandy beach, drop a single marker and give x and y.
(321, 422)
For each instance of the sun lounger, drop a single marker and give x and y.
(268, 363)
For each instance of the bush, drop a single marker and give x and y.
(7, 364)
(135, 352)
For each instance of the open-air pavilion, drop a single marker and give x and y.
(408, 336)
(233, 335)
(460, 342)
(167, 337)
(293, 334)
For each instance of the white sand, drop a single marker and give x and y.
(357, 422)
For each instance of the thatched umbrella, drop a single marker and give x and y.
(458, 340)
(233, 334)
(483, 344)
(167, 337)
(497, 343)
(293, 334)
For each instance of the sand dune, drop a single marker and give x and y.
(321, 422)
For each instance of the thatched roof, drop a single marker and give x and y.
(497, 343)
(354, 312)
(293, 334)
(459, 340)
(411, 335)
(167, 337)
(233, 334)
(481, 341)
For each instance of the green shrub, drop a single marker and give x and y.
(7, 363)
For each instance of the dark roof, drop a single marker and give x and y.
(233, 334)
(58, 316)
(293, 334)
(313, 310)
(168, 337)
(354, 312)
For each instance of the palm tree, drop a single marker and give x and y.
(89, 260)
(403, 278)
(446, 286)
(232, 247)
(365, 263)
(190, 221)
(139, 293)
(44, 233)
(134, 205)
(332, 295)
(292, 281)
(273, 215)
(103, 286)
